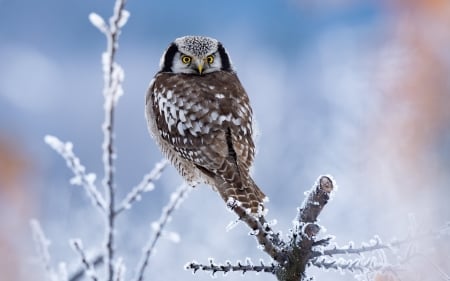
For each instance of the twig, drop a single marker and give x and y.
(112, 90)
(175, 200)
(80, 177)
(79, 273)
(349, 265)
(120, 271)
(144, 186)
(377, 244)
(89, 268)
(260, 231)
(41, 243)
(227, 267)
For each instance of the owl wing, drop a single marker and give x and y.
(203, 123)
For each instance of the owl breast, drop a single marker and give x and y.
(200, 120)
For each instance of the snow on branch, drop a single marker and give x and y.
(357, 265)
(175, 200)
(377, 244)
(248, 266)
(88, 266)
(303, 236)
(80, 272)
(262, 232)
(145, 185)
(290, 257)
(42, 243)
(317, 198)
(113, 76)
(65, 149)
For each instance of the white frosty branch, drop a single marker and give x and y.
(175, 200)
(266, 237)
(145, 185)
(89, 268)
(228, 267)
(357, 265)
(65, 149)
(376, 243)
(42, 243)
(119, 271)
(113, 76)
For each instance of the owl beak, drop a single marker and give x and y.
(200, 65)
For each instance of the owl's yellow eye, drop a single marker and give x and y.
(210, 59)
(186, 59)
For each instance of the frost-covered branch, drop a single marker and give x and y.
(65, 149)
(112, 90)
(377, 244)
(119, 272)
(88, 267)
(145, 185)
(303, 236)
(79, 273)
(158, 227)
(317, 198)
(248, 266)
(41, 243)
(357, 265)
(291, 257)
(262, 233)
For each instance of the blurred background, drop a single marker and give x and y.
(356, 89)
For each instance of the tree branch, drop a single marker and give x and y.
(41, 243)
(88, 267)
(80, 176)
(300, 251)
(262, 233)
(144, 186)
(112, 90)
(173, 204)
(227, 267)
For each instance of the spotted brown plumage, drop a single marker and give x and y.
(201, 118)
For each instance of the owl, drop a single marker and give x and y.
(200, 116)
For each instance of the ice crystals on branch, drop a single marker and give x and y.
(77, 246)
(124, 15)
(146, 185)
(228, 267)
(98, 22)
(80, 178)
(175, 200)
(42, 243)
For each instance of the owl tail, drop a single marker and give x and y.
(249, 195)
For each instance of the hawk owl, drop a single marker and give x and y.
(200, 116)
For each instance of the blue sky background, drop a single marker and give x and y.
(308, 68)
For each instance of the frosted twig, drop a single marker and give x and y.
(41, 243)
(227, 267)
(80, 272)
(361, 265)
(119, 271)
(261, 233)
(175, 200)
(62, 269)
(112, 89)
(144, 186)
(377, 244)
(89, 268)
(80, 176)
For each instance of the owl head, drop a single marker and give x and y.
(196, 55)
